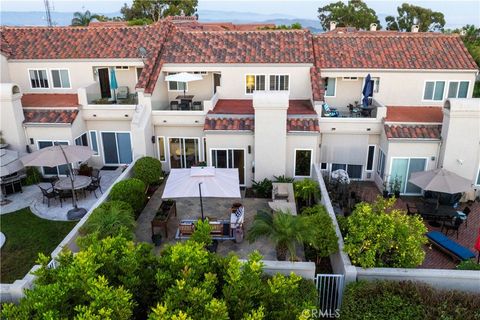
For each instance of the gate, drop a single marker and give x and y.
(330, 293)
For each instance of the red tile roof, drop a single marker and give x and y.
(50, 116)
(103, 24)
(303, 124)
(318, 87)
(49, 100)
(413, 131)
(244, 106)
(229, 123)
(414, 114)
(391, 50)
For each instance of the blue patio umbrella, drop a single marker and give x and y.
(113, 82)
(367, 90)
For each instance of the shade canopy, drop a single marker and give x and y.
(183, 77)
(57, 155)
(215, 183)
(9, 162)
(440, 180)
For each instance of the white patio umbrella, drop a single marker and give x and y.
(183, 77)
(9, 162)
(209, 182)
(58, 155)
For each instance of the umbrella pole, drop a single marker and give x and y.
(201, 201)
(74, 200)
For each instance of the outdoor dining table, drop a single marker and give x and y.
(437, 214)
(79, 182)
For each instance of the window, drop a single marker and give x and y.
(55, 171)
(434, 90)
(402, 169)
(457, 89)
(38, 78)
(254, 83)
(161, 148)
(60, 78)
(94, 141)
(184, 152)
(204, 149)
(82, 140)
(138, 72)
(117, 148)
(121, 68)
(279, 83)
(323, 166)
(376, 85)
(230, 158)
(177, 86)
(203, 73)
(303, 163)
(354, 171)
(370, 157)
(477, 182)
(381, 164)
(350, 78)
(330, 84)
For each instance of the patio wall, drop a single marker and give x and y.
(463, 280)
(15, 291)
(303, 269)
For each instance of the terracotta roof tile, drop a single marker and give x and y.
(318, 87)
(244, 106)
(414, 114)
(49, 100)
(391, 50)
(226, 123)
(303, 124)
(49, 116)
(413, 131)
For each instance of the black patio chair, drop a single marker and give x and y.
(412, 210)
(64, 194)
(53, 180)
(452, 224)
(464, 217)
(174, 105)
(47, 194)
(95, 174)
(93, 186)
(197, 105)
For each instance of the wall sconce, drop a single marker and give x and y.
(164, 121)
(369, 129)
(432, 158)
(333, 129)
(31, 141)
(250, 82)
(249, 149)
(94, 115)
(126, 115)
(153, 139)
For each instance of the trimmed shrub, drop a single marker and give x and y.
(148, 169)
(111, 218)
(262, 189)
(131, 191)
(406, 300)
(33, 176)
(468, 265)
(306, 190)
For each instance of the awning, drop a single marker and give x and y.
(344, 149)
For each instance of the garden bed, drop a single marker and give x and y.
(26, 236)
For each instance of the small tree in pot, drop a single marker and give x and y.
(306, 190)
(395, 186)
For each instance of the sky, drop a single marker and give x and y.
(457, 12)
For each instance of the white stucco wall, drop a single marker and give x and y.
(396, 88)
(11, 116)
(4, 70)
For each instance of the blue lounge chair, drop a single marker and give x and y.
(329, 112)
(449, 246)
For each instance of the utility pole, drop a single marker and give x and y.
(48, 16)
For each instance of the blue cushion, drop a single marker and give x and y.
(450, 245)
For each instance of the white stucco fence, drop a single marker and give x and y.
(303, 269)
(463, 280)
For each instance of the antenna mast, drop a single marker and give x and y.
(47, 13)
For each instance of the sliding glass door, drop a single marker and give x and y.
(117, 148)
(184, 152)
(230, 159)
(402, 169)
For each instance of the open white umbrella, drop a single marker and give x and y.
(440, 180)
(58, 155)
(183, 77)
(202, 181)
(9, 162)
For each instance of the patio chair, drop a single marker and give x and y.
(463, 215)
(64, 194)
(53, 180)
(329, 112)
(122, 93)
(412, 210)
(93, 186)
(174, 105)
(452, 224)
(48, 195)
(197, 105)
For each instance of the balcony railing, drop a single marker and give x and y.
(373, 110)
(90, 95)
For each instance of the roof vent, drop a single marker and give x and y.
(463, 32)
(373, 27)
(333, 25)
(415, 28)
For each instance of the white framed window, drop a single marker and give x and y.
(370, 157)
(94, 141)
(122, 68)
(38, 78)
(323, 166)
(381, 163)
(330, 87)
(203, 73)
(302, 163)
(82, 140)
(161, 149)
(254, 83)
(60, 78)
(434, 90)
(376, 84)
(177, 86)
(53, 171)
(183, 152)
(350, 78)
(354, 170)
(458, 89)
(279, 82)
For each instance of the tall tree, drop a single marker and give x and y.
(354, 14)
(83, 19)
(154, 10)
(409, 15)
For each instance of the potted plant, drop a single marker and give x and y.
(85, 170)
(395, 186)
(385, 189)
(306, 190)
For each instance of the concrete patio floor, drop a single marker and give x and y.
(32, 197)
(189, 208)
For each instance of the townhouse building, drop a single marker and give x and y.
(261, 103)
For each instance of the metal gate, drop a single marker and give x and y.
(330, 293)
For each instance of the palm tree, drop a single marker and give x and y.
(83, 19)
(283, 229)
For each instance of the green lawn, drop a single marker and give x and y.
(27, 235)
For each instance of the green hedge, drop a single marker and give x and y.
(148, 169)
(392, 300)
(131, 191)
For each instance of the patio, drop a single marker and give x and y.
(434, 258)
(189, 208)
(32, 197)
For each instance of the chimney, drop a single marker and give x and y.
(415, 28)
(463, 32)
(333, 25)
(373, 27)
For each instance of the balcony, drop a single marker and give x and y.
(354, 110)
